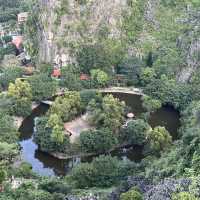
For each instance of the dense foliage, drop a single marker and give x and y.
(68, 106)
(107, 112)
(98, 141)
(42, 87)
(156, 48)
(46, 141)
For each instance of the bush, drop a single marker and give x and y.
(135, 132)
(184, 196)
(102, 172)
(9, 76)
(132, 194)
(25, 170)
(21, 108)
(43, 137)
(97, 141)
(131, 68)
(159, 138)
(86, 97)
(67, 107)
(83, 175)
(54, 186)
(99, 78)
(106, 112)
(42, 87)
(70, 78)
(46, 68)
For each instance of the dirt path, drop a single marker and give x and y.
(76, 126)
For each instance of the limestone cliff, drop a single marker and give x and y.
(65, 22)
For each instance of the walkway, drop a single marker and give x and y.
(75, 127)
(126, 90)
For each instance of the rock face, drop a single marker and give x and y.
(192, 60)
(162, 190)
(64, 22)
(191, 47)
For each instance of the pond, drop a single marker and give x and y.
(47, 165)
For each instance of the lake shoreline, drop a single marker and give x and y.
(62, 156)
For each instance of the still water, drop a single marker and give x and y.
(46, 165)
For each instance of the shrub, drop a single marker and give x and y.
(83, 175)
(67, 106)
(54, 186)
(42, 87)
(9, 76)
(98, 141)
(135, 132)
(86, 97)
(43, 137)
(184, 196)
(92, 175)
(132, 194)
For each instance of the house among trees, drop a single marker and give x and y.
(56, 73)
(84, 77)
(22, 17)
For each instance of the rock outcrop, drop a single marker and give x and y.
(65, 22)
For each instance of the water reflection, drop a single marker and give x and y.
(46, 165)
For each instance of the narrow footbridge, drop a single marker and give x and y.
(47, 102)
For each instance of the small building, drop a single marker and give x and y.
(22, 17)
(56, 73)
(17, 41)
(84, 77)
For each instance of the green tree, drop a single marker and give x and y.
(9, 76)
(55, 122)
(107, 113)
(131, 68)
(19, 90)
(99, 78)
(22, 95)
(70, 77)
(8, 151)
(110, 173)
(98, 141)
(83, 175)
(159, 138)
(67, 106)
(136, 132)
(43, 137)
(42, 86)
(150, 104)
(101, 55)
(86, 97)
(8, 131)
(92, 175)
(132, 194)
(147, 75)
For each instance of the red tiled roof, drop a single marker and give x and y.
(56, 73)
